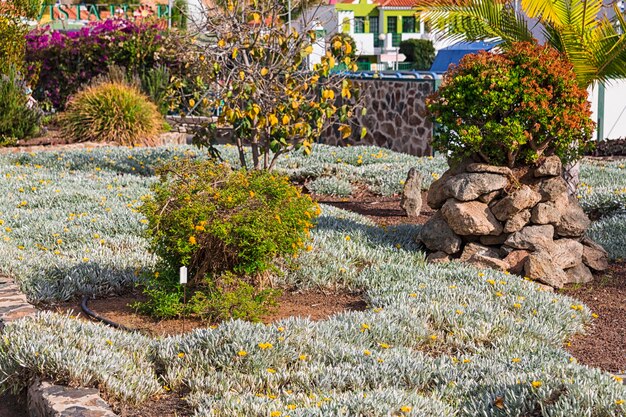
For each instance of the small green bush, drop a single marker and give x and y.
(419, 51)
(18, 118)
(512, 108)
(228, 227)
(112, 112)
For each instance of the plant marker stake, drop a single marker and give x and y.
(183, 282)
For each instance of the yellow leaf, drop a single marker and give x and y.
(308, 50)
(242, 75)
(363, 132)
(272, 119)
(285, 120)
(221, 43)
(235, 51)
(337, 44)
(264, 71)
(192, 102)
(256, 18)
(346, 131)
(348, 48)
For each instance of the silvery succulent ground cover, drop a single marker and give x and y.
(436, 341)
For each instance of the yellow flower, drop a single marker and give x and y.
(192, 240)
(85, 259)
(251, 194)
(406, 408)
(181, 355)
(309, 248)
(271, 370)
(276, 414)
(347, 237)
(516, 360)
(265, 345)
(303, 357)
(517, 305)
(291, 406)
(536, 384)
(618, 379)
(367, 352)
(433, 337)
(412, 295)
(499, 294)
(364, 327)
(200, 228)
(467, 360)
(242, 353)
(619, 402)
(384, 345)
(491, 281)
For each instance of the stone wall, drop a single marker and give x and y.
(396, 117)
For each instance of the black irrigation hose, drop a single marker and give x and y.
(89, 312)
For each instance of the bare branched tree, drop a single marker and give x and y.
(261, 83)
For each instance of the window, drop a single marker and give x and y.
(392, 24)
(374, 24)
(408, 24)
(359, 25)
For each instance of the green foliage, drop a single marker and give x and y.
(111, 112)
(419, 51)
(13, 30)
(213, 219)
(217, 221)
(582, 30)
(155, 83)
(18, 118)
(512, 108)
(341, 46)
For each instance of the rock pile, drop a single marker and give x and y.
(522, 221)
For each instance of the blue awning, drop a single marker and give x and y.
(453, 54)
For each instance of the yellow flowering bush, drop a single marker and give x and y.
(224, 224)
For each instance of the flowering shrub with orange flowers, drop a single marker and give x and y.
(223, 224)
(512, 107)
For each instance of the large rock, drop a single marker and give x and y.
(411, 201)
(436, 235)
(521, 199)
(594, 255)
(483, 261)
(436, 194)
(579, 274)
(472, 249)
(553, 188)
(532, 238)
(573, 221)
(469, 186)
(470, 218)
(438, 257)
(566, 253)
(477, 167)
(545, 213)
(550, 167)
(539, 267)
(489, 197)
(517, 222)
(515, 261)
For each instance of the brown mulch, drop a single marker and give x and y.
(13, 406)
(171, 404)
(385, 211)
(604, 344)
(314, 304)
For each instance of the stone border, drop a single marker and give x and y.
(45, 399)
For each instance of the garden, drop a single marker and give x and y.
(278, 276)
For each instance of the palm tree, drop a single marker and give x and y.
(580, 29)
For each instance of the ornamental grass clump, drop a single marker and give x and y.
(112, 112)
(512, 108)
(228, 227)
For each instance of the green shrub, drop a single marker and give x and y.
(419, 51)
(18, 118)
(512, 107)
(219, 222)
(13, 30)
(111, 112)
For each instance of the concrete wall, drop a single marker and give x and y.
(396, 117)
(614, 108)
